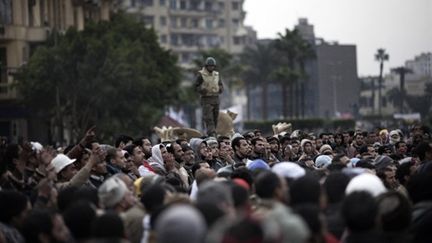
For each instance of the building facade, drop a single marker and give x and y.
(24, 24)
(330, 90)
(188, 26)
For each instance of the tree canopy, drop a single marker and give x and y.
(112, 74)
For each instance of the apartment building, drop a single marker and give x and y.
(24, 24)
(188, 26)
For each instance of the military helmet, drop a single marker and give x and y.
(210, 61)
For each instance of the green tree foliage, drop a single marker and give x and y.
(280, 61)
(112, 74)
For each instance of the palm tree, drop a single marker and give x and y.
(402, 71)
(381, 56)
(288, 74)
(306, 53)
(258, 64)
(291, 72)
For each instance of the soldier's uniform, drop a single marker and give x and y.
(209, 86)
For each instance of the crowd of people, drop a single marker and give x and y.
(352, 186)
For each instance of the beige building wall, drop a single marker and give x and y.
(24, 24)
(188, 26)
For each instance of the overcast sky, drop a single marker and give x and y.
(402, 27)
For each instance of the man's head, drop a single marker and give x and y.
(136, 155)
(274, 144)
(14, 207)
(114, 194)
(268, 185)
(240, 147)
(188, 155)
(177, 151)
(43, 226)
(358, 139)
(424, 151)
(359, 211)
(64, 167)
(210, 64)
(116, 158)
(401, 148)
(258, 146)
(122, 141)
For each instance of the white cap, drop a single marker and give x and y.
(288, 170)
(60, 162)
(323, 161)
(366, 182)
(36, 146)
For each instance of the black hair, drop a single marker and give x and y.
(255, 140)
(336, 167)
(122, 139)
(404, 170)
(220, 139)
(12, 204)
(243, 173)
(421, 149)
(38, 221)
(397, 144)
(236, 142)
(359, 209)
(110, 154)
(419, 187)
(211, 212)
(11, 153)
(364, 163)
(130, 149)
(153, 197)
(65, 197)
(108, 226)
(266, 184)
(311, 215)
(394, 211)
(309, 184)
(186, 148)
(78, 218)
(244, 230)
(239, 194)
(335, 186)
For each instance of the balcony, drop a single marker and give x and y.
(7, 91)
(14, 32)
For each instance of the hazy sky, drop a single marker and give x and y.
(402, 27)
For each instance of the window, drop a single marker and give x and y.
(384, 101)
(236, 40)
(173, 22)
(235, 5)
(221, 23)
(147, 2)
(174, 40)
(208, 6)
(183, 22)
(194, 23)
(173, 4)
(183, 4)
(221, 6)
(163, 21)
(163, 39)
(162, 3)
(236, 22)
(194, 5)
(6, 11)
(209, 23)
(148, 20)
